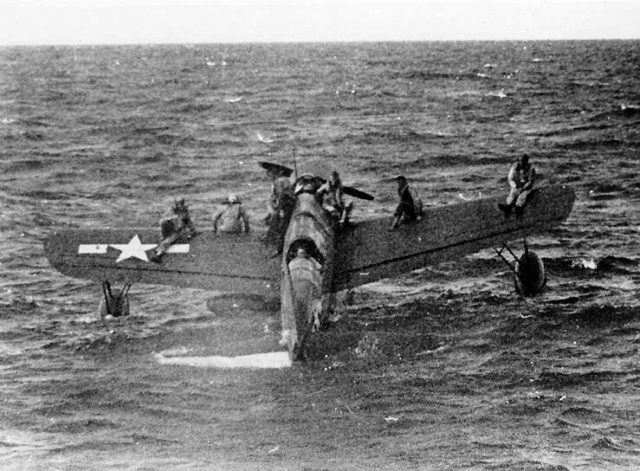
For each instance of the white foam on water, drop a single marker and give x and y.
(589, 264)
(258, 360)
(172, 352)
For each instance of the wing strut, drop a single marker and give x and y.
(528, 270)
(515, 257)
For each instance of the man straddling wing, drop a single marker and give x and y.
(410, 206)
(281, 193)
(281, 204)
(177, 224)
(231, 217)
(331, 194)
(521, 177)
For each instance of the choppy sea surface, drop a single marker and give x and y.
(443, 368)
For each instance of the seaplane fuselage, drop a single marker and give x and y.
(307, 270)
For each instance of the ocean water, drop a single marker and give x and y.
(443, 368)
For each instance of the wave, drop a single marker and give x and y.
(606, 443)
(499, 94)
(193, 108)
(25, 165)
(566, 266)
(589, 83)
(232, 302)
(428, 75)
(261, 138)
(26, 135)
(582, 415)
(469, 160)
(623, 111)
(557, 380)
(567, 130)
(592, 143)
(598, 315)
(392, 135)
(613, 264)
(47, 195)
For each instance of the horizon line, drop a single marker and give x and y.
(336, 41)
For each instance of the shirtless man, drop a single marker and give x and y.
(331, 196)
(175, 225)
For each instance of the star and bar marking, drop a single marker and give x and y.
(133, 249)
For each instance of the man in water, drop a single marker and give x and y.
(231, 217)
(331, 195)
(521, 177)
(410, 206)
(175, 225)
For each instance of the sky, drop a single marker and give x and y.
(89, 22)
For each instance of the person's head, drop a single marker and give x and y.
(402, 181)
(524, 160)
(334, 177)
(179, 206)
(232, 198)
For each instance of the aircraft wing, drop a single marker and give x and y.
(369, 251)
(234, 262)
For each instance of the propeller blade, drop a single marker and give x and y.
(351, 191)
(286, 171)
(276, 168)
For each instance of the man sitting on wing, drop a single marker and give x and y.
(410, 206)
(331, 195)
(521, 177)
(231, 217)
(175, 225)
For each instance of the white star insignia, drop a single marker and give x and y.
(134, 249)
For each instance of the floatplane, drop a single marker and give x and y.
(319, 257)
